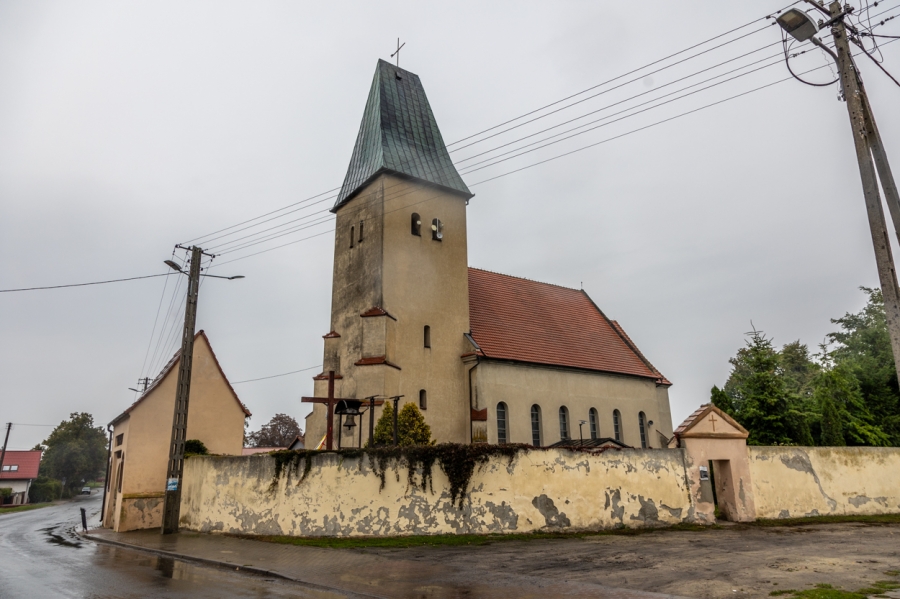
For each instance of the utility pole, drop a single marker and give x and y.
(867, 142)
(5, 441)
(172, 505)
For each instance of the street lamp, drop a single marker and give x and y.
(581, 423)
(871, 156)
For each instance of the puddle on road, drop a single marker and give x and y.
(60, 536)
(166, 566)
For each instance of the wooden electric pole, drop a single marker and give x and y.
(868, 142)
(5, 441)
(172, 505)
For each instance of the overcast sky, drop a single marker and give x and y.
(128, 127)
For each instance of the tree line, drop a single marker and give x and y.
(845, 394)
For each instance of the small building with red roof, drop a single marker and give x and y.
(141, 434)
(19, 470)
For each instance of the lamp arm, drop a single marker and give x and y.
(817, 42)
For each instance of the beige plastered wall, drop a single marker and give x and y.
(791, 482)
(214, 417)
(419, 281)
(520, 386)
(536, 490)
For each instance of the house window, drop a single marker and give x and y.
(536, 425)
(11, 468)
(427, 336)
(502, 436)
(352, 233)
(563, 423)
(437, 229)
(617, 425)
(423, 399)
(119, 439)
(360, 231)
(641, 424)
(595, 423)
(415, 225)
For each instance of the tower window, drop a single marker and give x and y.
(595, 423)
(415, 225)
(437, 229)
(563, 423)
(617, 425)
(502, 436)
(642, 420)
(352, 235)
(360, 231)
(427, 336)
(423, 399)
(536, 425)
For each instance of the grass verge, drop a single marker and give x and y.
(827, 591)
(475, 540)
(24, 508)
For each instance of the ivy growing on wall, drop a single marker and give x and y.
(457, 461)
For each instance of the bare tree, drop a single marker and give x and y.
(279, 432)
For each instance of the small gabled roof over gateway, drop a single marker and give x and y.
(399, 135)
(708, 421)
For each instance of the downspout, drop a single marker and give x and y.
(106, 482)
(471, 403)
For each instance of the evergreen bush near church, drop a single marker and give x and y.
(411, 426)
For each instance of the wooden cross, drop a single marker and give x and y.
(330, 401)
(397, 53)
(712, 420)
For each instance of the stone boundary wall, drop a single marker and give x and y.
(791, 482)
(549, 489)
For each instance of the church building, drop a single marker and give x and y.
(487, 357)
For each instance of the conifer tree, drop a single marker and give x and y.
(411, 426)
(384, 427)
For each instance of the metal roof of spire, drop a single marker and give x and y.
(399, 135)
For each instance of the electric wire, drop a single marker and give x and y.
(768, 16)
(165, 274)
(688, 49)
(274, 376)
(153, 330)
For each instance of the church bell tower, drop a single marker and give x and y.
(400, 299)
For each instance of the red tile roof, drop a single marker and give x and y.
(526, 321)
(27, 461)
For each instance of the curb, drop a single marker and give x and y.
(225, 565)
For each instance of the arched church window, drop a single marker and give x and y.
(502, 415)
(423, 399)
(595, 423)
(361, 231)
(352, 235)
(617, 425)
(642, 425)
(416, 224)
(563, 423)
(437, 229)
(536, 425)
(427, 336)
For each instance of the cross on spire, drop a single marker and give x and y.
(397, 52)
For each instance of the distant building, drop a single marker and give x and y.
(20, 468)
(487, 357)
(142, 433)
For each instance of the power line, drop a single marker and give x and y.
(275, 375)
(165, 274)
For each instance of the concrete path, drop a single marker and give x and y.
(354, 573)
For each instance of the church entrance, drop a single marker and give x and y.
(723, 489)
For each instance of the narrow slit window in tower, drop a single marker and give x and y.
(415, 225)
(423, 399)
(437, 229)
(361, 231)
(352, 234)
(427, 336)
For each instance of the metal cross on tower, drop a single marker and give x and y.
(397, 52)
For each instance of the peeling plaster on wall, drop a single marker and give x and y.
(841, 480)
(341, 496)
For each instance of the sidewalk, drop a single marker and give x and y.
(351, 573)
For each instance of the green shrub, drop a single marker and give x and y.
(5, 492)
(195, 447)
(44, 489)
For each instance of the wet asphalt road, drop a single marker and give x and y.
(42, 556)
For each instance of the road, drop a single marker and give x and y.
(42, 556)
